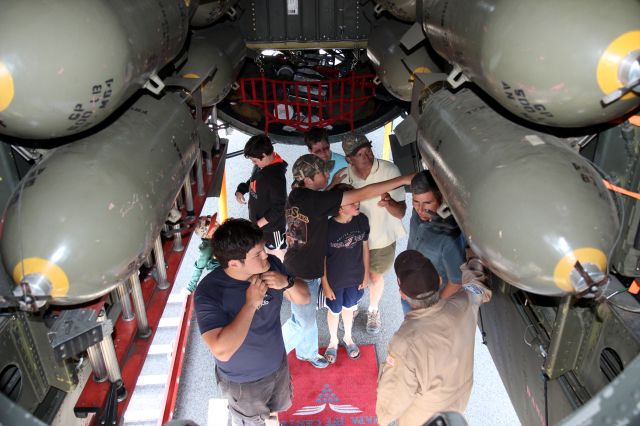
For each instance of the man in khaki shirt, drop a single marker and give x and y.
(429, 367)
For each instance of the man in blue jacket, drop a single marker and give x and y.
(438, 239)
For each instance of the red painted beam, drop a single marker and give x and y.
(177, 358)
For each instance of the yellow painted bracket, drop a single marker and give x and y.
(222, 201)
(386, 146)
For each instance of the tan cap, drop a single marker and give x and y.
(353, 142)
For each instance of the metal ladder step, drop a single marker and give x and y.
(146, 404)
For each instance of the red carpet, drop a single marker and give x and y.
(342, 394)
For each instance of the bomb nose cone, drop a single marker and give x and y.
(65, 65)
(582, 271)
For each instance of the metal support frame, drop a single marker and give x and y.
(209, 163)
(97, 363)
(161, 268)
(188, 195)
(199, 175)
(176, 231)
(616, 403)
(566, 340)
(125, 302)
(148, 262)
(177, 238)
(138, 304)
(110, 357)
(179, 203)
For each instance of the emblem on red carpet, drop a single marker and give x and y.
(326, 398)
(342, 394)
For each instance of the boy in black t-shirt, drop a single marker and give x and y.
(346, 266)
(267, 188)
(307, 209)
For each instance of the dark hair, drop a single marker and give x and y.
(258, 146)
(423, 182)
(233, 240)
(315, 135)
(342, 187)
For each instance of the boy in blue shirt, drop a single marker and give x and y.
(317, 141)
(346, 269)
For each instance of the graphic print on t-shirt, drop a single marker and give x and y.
(348, 240)
(296, 228)
(252, 189)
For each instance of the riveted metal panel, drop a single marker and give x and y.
(293, 23)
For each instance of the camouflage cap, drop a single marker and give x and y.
(353, 142)
(308, 165)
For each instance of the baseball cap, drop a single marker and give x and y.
(417, 276)
(354, 141)
(308, 165)
(205, 224)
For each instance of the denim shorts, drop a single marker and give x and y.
(250, 403)
(345, 298)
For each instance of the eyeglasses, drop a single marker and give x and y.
(319, 150)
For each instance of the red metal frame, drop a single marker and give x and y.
(331, 100)
(132, 351)
(177, 358)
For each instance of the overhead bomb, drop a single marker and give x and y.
(84, 218)
(222, 45)
(394, 65)
(546, 61)
(66, 65)
(529, 205)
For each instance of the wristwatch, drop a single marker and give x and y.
(291, 280)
